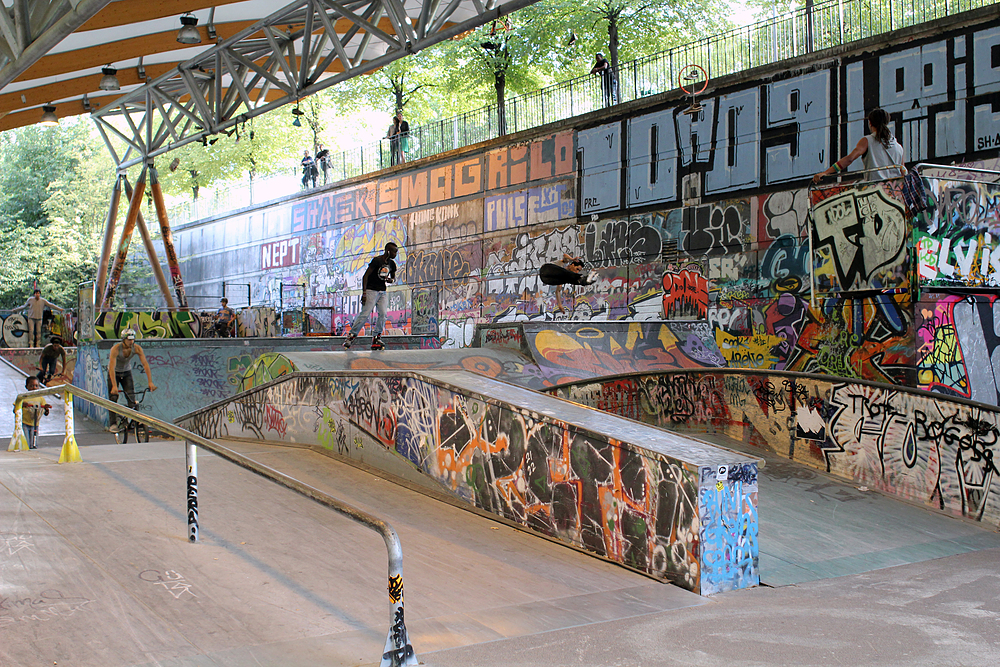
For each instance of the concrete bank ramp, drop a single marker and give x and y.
(571, 350)
(508, 365)
(661, 503)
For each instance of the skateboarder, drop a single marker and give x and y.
(570, 272)
(381, 271)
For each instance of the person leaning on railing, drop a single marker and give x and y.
(878, 149)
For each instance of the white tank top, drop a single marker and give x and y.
(878, 155)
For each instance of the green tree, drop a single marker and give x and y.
(54, 197)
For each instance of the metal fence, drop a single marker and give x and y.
(811, 28)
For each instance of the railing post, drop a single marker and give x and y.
(192, 490)
(18, 443)
(70, 452)
(397, 651)
(840, 8)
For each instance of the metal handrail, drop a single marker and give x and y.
(397, 651)
(927, 165)
(858, 172)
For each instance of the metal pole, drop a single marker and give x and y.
(70, 452)
(154, 261)
(192, 490)
(397, 651)
(109, 235)
(135, 202)
(168, 240)
(18, 443)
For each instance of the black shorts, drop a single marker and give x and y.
(125, 386)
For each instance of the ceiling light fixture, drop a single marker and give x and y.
(188, 34)
(297, 112)
(109, 81)
(49, 118)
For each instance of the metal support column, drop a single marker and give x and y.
(154, 261)
(109, 236)
(135, 202)
(167, 237)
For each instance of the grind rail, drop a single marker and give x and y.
(397, 651)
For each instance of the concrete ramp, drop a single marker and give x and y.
(672, 507)
(567, 351)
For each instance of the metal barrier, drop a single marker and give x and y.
(927, 169)
(397, 651)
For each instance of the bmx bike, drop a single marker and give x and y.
(127, 425)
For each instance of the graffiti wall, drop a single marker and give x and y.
(918, 446)
(14, 328)
(701, 229)
(253, 322)
(191, 374)
(27, 359)
(188, 377)
(694, 525)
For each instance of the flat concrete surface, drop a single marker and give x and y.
(95, 567)
(940, 613)
(816, 526)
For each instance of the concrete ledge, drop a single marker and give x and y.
(646, 499)
(919, 446)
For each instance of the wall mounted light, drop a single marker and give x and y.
(49, 118)
(188, 34)
(109, 81)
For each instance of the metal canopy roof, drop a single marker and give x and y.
(250, 60)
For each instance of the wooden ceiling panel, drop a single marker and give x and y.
(124, 13)
(9, 121)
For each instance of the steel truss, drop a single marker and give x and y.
(30, 28)
(292, 53)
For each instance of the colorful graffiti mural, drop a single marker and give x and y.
(918, 446)
(703, 225)
(14, 328)
(684, 523)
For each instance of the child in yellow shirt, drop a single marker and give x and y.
(30, 409)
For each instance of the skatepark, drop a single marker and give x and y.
(106, 574)
(764, 433)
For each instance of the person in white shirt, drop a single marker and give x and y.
(35, 308)
(878, 149)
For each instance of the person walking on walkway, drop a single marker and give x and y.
(878, 149)
(35, 311)
(323, 159)
(308, 169)
(121, 361)
(381, 272)
(399, 138)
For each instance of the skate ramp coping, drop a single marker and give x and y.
(667, 505)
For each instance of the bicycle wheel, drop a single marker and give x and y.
(141, 432)
(121, 435)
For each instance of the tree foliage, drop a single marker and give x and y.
(56, 186)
